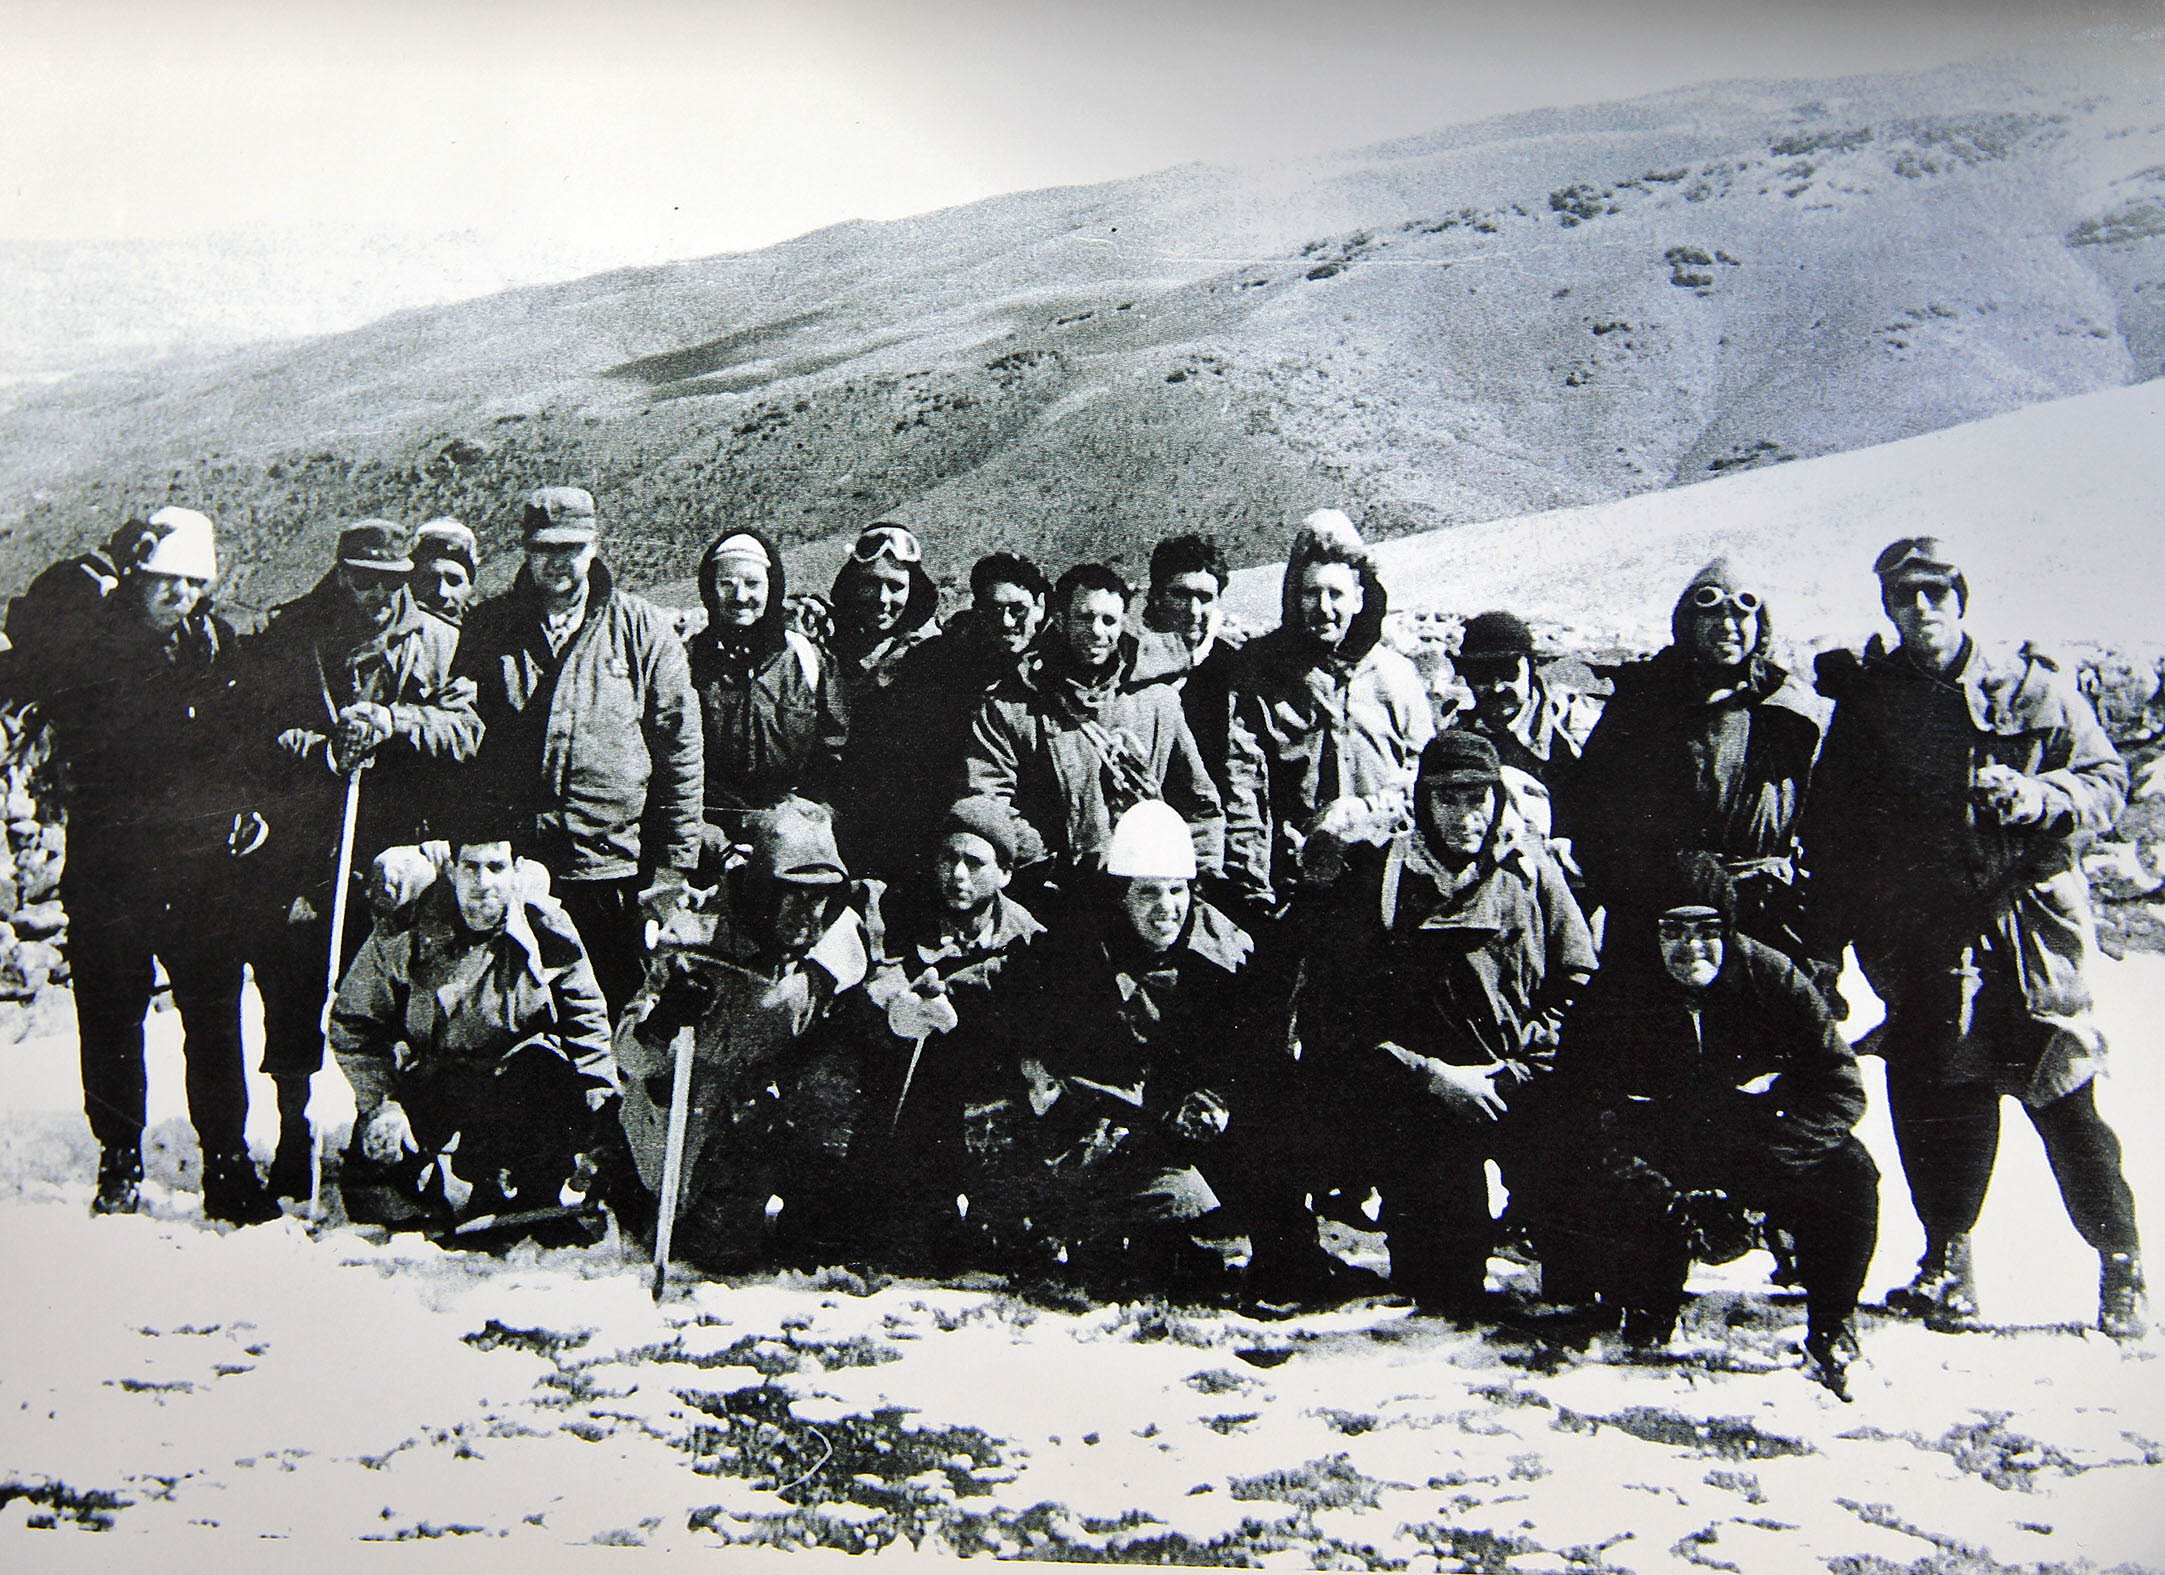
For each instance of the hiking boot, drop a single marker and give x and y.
(293, 1167)
(1829, 1353)
(1943, 1294)
(2120, 1295)
(232, 1192)
(1648, 1328)
(120, 1182)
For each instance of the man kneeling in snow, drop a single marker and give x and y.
(1708, 1079)
(477, 1045)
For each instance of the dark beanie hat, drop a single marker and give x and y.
(1458, 758)
(1495, 636)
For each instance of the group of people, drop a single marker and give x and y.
(1073, 936)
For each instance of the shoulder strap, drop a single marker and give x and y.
(807, 655)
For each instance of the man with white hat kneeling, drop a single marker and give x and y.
(1121, 1033)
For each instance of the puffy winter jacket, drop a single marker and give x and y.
(598, 750)
(430, 998)
(1668, 1067)
(1307, 729)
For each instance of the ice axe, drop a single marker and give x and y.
(680, 1112)
(341, 890)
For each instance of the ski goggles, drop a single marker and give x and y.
(886, 541)
(1711, 598)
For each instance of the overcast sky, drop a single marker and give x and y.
(576, 133)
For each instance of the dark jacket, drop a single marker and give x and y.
(866, 671)
(1468, 970)
(769, 708)
(917, 735)
(143, 729)
(1087, 1010)
(1673, 773)
(57, 616)
(596, 752)
(1069, 758)
(1906, 866)
(1309, 727)
(1662, 1068)
(296, 675)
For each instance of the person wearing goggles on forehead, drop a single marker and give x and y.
(1955, 798)
(1707, 1081)
(885, 604)
(1702, 757)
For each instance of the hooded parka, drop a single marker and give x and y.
(1674, 772)
(768, 701)
(1310, 726)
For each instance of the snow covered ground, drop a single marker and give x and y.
(206, 1388)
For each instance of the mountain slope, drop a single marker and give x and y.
(2051, 510)
(1538, 311)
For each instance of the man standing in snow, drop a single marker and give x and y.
(593, 738)
(352, 674)
(136, 709)
(1945, 836)
(1184, 641)
(1703, 758)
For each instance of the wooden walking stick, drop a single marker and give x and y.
(680, 1112)
(340, 891)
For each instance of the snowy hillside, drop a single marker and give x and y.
(1544, 310)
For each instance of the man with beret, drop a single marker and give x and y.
(1439, 967)
(137, 702)
(950, 932)
(593, 740)
(477, 1046)
(1945, 838)
(353, 674)
(445, 559)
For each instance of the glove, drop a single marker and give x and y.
(1470, 1091)
(362, 728)
(2014, 799)
(388, 1136)
(911, 1015)
(1201, 1117)
(1717, 1228)
(301, 742)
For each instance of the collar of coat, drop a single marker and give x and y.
(439, 928)
(319, 613)
(1666, 680)
(1444, 899)
(2003, 692)
(1209, 936)
(1048, 674)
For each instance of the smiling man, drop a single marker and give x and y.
(593, 738)
(477, 1046)
(1707, 1077)
(1071, 741)
(1945, 838)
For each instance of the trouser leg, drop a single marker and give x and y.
(292, 972)
(207, 989)
(1832, 1212)
(2085, 1156)
(1435, 1210)
(1948, 1135)
(110, 960)
(606, 915)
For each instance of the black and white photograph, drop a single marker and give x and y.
(1355, 787)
